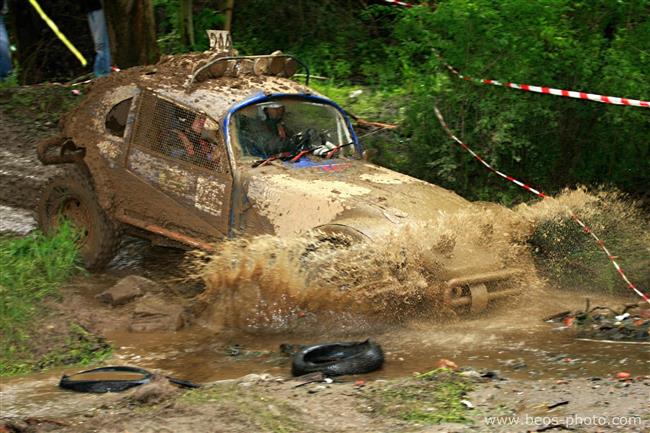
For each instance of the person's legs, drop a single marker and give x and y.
(5, 53)
(97, 24)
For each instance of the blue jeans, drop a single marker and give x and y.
(5, 54)
(98, 28)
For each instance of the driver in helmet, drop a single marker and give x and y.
(274, 119)
(276, 138)
(267, 134)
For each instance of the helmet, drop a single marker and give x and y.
(273, 110)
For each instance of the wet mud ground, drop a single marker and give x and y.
(540, 362)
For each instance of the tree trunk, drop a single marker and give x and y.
(187, 23)
(132, 30)
(230, 4)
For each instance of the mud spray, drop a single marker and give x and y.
(272, 284)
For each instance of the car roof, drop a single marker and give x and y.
(215, 96)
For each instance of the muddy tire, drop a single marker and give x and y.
(72, 196)
(338, 359)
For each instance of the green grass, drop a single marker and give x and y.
(80, 347)
(31, 270)
(430, 398)
(10, 82)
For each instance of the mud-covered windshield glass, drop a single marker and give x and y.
(291, 125)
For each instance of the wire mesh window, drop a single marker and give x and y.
(177, 133)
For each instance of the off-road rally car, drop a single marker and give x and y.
(200, 148)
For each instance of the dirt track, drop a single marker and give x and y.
(272, 404)
(21, 174)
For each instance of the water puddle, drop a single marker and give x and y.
(513, 343)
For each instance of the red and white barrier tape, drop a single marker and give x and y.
(540, 194)
(399, 3)
(615, 100)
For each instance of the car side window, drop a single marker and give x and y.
(116, 118)
(178, 133)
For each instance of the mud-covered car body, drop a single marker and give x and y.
(127, 136)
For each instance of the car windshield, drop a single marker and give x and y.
(291, 125)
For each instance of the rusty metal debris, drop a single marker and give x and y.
(632, 324)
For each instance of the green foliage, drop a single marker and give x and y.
(10, 82)
(547, 141)
(205, 17)
(430, 398)
(598, 46)
(336, 38)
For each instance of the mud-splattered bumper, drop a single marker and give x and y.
(475, 292)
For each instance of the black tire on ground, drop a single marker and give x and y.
(338, 359)
(72, 196)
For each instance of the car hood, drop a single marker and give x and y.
(368, 199)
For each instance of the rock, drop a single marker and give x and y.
(472, 374)
(252, 379)
(317, 388)
(515, 364)
(154, 314)
(446, 363)
(492, 374)
(468, 404)
(154, 392)
(249, 379)
(127, 289)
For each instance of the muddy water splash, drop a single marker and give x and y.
(569, 258)
(271, 283)
(285, 284)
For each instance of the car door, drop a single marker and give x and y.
(183, 177)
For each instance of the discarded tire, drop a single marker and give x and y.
(338, 359)
(102, 385)
(114, 385)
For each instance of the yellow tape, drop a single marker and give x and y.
(58, 33)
